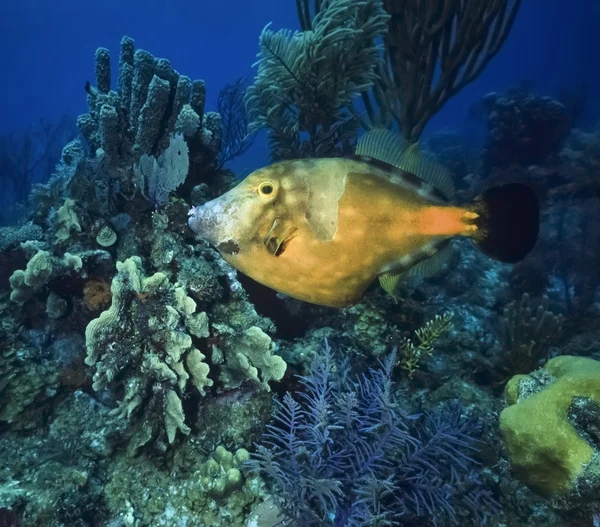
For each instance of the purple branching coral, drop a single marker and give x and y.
(348, 455)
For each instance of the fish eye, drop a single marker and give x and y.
(266, 188)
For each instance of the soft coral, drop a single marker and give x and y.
(349, 455)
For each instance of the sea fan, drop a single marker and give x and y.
(348, 455)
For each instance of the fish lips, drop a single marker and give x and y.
(205, 224)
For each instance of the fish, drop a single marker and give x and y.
(322, 230)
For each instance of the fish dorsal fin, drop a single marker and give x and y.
(382, 144)
(433, 264)
(426, 169)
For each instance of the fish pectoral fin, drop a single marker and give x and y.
(278, 238)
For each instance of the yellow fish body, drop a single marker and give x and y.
(322, 230)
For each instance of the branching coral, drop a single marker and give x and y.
(306, 80)
(527, 334)
(411, 352)
(434, 48)
(236, 137)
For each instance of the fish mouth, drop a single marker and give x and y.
(198, 221)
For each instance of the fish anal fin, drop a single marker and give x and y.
(432, 265)
(425, 262)
(389, 283)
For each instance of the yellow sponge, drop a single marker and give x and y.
(545, 450)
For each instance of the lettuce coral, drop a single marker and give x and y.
(148, 332)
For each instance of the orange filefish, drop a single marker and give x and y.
(322, 230)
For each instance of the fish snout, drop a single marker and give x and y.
(194, 220)
(209, 222)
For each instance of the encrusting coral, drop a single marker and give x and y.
(148, 330)
(550, 427)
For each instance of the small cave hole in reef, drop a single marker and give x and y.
(268, 305)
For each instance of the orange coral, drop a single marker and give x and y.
(96, 294)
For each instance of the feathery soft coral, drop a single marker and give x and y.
(349, 455)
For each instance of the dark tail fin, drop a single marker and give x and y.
(509, 221)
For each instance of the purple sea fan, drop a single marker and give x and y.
(347, 455)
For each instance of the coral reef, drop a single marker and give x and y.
(523, 129)
(550, 428)
(144, 382)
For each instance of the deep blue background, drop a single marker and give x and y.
(47, 50)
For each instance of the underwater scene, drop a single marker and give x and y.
(300, 263)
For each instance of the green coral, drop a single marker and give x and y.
(198, 492)
(411, 351)
(40, 269)
(221, 474)
(247, 356)
(549, 450)
(65, 222)
(148, 331)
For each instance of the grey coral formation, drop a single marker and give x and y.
(23, 378)
(151, 102)
(306, 81)
(132, 125)
(13, 236)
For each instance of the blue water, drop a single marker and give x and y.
(48, 49)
